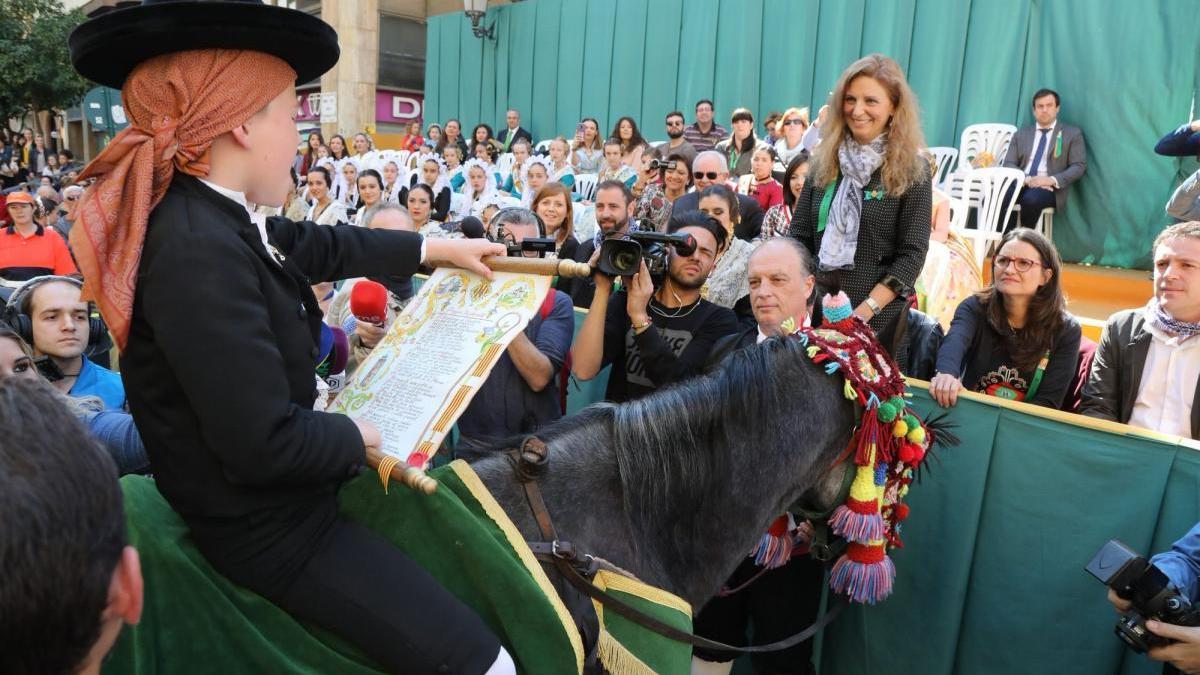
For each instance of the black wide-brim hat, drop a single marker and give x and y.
(107, 48)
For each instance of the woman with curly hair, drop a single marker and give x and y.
(865, 210)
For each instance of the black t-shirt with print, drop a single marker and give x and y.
(675, 348)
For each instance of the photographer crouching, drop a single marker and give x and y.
(1176, 645)
(654, 331)
(521, 395)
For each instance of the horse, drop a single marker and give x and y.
(677, 487)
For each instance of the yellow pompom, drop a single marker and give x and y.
(899, 429)
(917, 436)
(848, 390)
(812, 351)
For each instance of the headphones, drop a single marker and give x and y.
(16, 312)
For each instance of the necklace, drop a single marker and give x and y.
(677, 314)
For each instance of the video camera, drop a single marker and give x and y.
(621, 257)
(1133, 578)
(662, 165)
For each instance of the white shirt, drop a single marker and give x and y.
(1168, 387)
(763, 336)
(259, 220)
(1040, 169)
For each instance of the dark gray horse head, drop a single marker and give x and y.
(678, 486)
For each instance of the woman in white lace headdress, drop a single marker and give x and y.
(364, 151)
(535, 173)
(345, 188)
(480, 186)
(431, 171)
(394, 181)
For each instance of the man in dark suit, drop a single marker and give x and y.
(1052, 155)
(512, 131)
(212, 305)
(710, 167)
(784, 600)
(1147, 369)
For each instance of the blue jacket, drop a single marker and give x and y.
(1182, 564)
(1183, 142)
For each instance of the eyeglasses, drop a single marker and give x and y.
(711, 175)
(1022, 264)
(793, 123)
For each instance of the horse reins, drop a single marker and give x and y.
(530, 464)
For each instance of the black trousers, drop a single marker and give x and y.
(780, 603)
(364, 590)
(1033, 201)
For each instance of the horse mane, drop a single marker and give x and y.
(673, 445)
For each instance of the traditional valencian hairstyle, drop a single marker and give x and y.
(902, 163)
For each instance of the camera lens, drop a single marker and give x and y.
(626, 261)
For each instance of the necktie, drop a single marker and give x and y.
(1037, 154)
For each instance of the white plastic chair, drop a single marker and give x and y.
(1045, 223)
(944, 157)
(655, 144)
(402, 158)
(986, 190)
(504, 164)
(542, 147)
(978, 138)
(585, 185)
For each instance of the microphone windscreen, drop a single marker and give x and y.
(326, 345)
(368, 302)
(472, 228)
(340, 353)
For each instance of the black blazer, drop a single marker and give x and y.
(219, 368)
(893, 237)
(1112, 386)
(505, 142)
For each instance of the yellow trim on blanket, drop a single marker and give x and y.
(492, 508)
(607, 579)
(616, 657)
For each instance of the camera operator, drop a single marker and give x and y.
(614, 208)
(1182, 566)
(520, 395)
(655, 337)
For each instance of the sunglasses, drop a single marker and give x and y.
(1022, 264)
(793, 123)
(71, 199)
(711, 175)
(677, 123)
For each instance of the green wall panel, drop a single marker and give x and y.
(1127, 73)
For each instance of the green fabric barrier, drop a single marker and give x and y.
(195, 620)
(969, 61)
(991, 577)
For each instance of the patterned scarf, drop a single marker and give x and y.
(857, 163)
(177, 105)
(1162, 320)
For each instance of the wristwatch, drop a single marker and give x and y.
(870, 302)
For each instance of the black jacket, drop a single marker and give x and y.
(893, 237)
(1112, 388)
(520, 133)
(749, 226)
(219, 369)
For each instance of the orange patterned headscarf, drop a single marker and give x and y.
(177, 104)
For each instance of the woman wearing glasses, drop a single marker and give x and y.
(1013, 339)
(793, 135)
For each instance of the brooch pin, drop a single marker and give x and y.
(279, 257)
(868, 195)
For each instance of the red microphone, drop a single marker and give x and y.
(369, 302)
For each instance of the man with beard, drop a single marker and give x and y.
(614, 207)
(653, 337)
(678, 145)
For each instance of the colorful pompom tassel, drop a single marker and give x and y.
(865, 573)
(859, 519)
(775, 546)
(835, 308)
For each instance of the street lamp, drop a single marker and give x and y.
(475, 9)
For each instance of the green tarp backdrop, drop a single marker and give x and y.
(991, 578)
(1127, 72)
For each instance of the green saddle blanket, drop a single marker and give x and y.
(197, 621)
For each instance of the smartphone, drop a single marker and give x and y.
(580, 128)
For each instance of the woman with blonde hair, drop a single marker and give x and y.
(865, 210)
(794, 137)
(587, 152)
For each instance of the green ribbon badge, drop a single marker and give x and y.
(868, 195)
(1058, 145)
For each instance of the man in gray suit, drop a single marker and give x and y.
(1052, 155)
